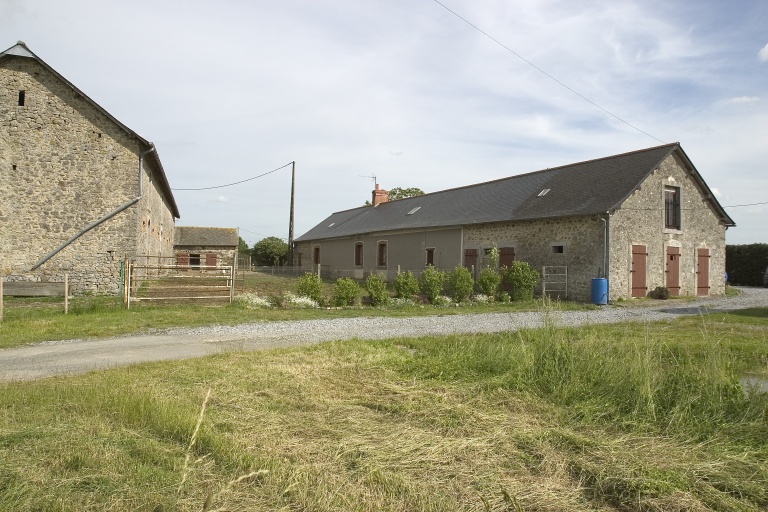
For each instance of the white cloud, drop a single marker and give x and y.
(744, 99)
(763, 54)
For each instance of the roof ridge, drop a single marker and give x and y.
(472, 185)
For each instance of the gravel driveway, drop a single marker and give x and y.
(78, 356)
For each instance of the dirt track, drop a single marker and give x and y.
(79, 356)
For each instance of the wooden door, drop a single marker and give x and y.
(673, 271)
(639, 265)
(702, 271)
(506, 256)
(182, 260)
(210, 259)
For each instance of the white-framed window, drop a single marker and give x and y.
(381, 254)
(359, 254)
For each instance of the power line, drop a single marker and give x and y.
(537, 68)
(237, 182)
(751, 204)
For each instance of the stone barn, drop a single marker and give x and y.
(80, 191)
(203, 246)
(641, 220)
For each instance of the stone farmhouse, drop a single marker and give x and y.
(642, 220)
(80, 190)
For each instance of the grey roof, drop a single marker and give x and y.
(209, 237)
(20, 50)
(585, 188)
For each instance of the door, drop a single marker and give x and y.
(673, 271)
(639, 264)
(702, 271)
(470, 259)
(506, 256)
(182, 260)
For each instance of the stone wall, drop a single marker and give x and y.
(64, 165)
(640, 221)
(538, 242)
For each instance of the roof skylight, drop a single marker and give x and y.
(543, 192)
(414, 210)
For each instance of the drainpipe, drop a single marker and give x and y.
(104, 218)
(605, 245)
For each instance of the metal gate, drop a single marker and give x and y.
(554, 282)
(173, 283)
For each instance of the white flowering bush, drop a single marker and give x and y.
(400, 302)
(481, 299)
(442, 300)
(298, 301)
(252, 301)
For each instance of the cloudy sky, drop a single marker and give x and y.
(411, 93)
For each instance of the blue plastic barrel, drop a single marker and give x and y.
(599, 290)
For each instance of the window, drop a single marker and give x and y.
(359, 254)
(194, 260)
(430, 256)
(672, 207)
(316, 256)
(414, 210)
(381, 254)
(558, 249)
(22, 97)
(298, 259)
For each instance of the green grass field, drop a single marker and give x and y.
(634, 417)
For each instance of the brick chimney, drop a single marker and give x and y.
(380, 196)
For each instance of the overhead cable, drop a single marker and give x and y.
(537, 68)
(237, 182)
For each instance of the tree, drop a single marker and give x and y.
(401, 193)
(242, 247)
(270, 251)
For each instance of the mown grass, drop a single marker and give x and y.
(635, 417)
(104, 317)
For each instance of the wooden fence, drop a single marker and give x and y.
(34, 289)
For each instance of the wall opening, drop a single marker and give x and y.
(22, 98)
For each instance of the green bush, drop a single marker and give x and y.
(745, 264)
(522, 278)
(660, 292)
(406, 285)
(377, 290)
(459, 284)
(310, 285)
(431, 283)
(488, 281)
(346, 292)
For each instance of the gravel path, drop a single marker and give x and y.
(78, 356)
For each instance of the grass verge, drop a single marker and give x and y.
(634, 417)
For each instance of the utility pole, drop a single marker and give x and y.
(290, 222)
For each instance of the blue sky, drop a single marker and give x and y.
(408, 92)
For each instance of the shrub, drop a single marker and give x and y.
(661, 292)
(458, 284)
(488, 281)
(346, 292)
(522, 278)
(406, 285)
(310, 286)
(431, 283)
(377, 290)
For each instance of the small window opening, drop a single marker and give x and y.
(381, 258)
(558, 249)
(13, 167)
(22, 97)
(543, 192)
(431, 256)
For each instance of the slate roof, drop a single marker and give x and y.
(21, 50)
(584, 188)
(209, 237)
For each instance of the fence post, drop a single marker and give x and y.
(318, 271)
(231, 284)
(1, 298)
(66, 293)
